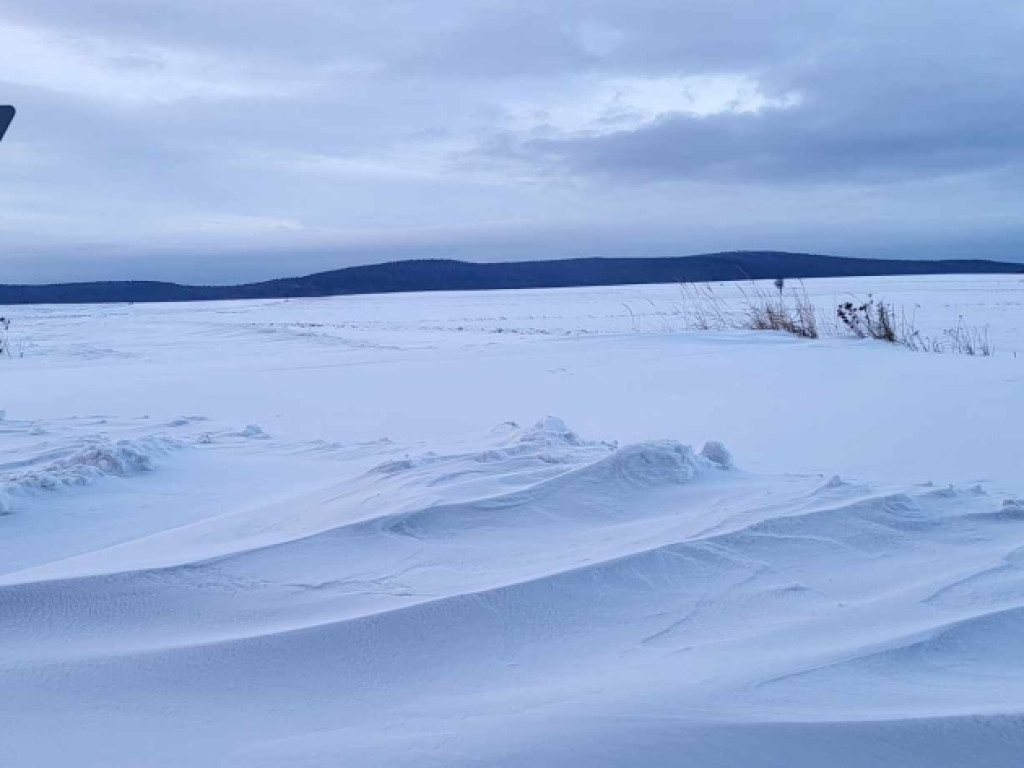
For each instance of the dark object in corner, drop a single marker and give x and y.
(6, 116)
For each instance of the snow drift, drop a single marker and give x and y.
(514, 603)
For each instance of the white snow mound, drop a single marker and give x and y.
(98, 458)
(656, 462)
(550, 431)
(717, 453)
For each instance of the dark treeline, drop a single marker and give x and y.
(447, 275)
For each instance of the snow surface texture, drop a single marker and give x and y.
(342, 560)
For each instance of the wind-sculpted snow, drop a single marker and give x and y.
(342, 532)
(467, 592)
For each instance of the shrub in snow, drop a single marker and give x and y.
(793, 312)
(878, 320)
(874, 320)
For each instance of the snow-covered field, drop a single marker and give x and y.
(538, 528)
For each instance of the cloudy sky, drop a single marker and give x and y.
(223, 140)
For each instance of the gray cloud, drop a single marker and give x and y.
(172, 139)
(907, 93)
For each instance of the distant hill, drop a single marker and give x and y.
(447, 275)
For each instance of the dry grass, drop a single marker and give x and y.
(879, 320)
(771, 307)
(967, 340)
(703, 309)
(764, 310)
(761, 309)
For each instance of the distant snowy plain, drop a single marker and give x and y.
(532, 528)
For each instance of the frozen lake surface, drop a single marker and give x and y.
(534, 528)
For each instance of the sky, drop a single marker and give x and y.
(216, 141)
